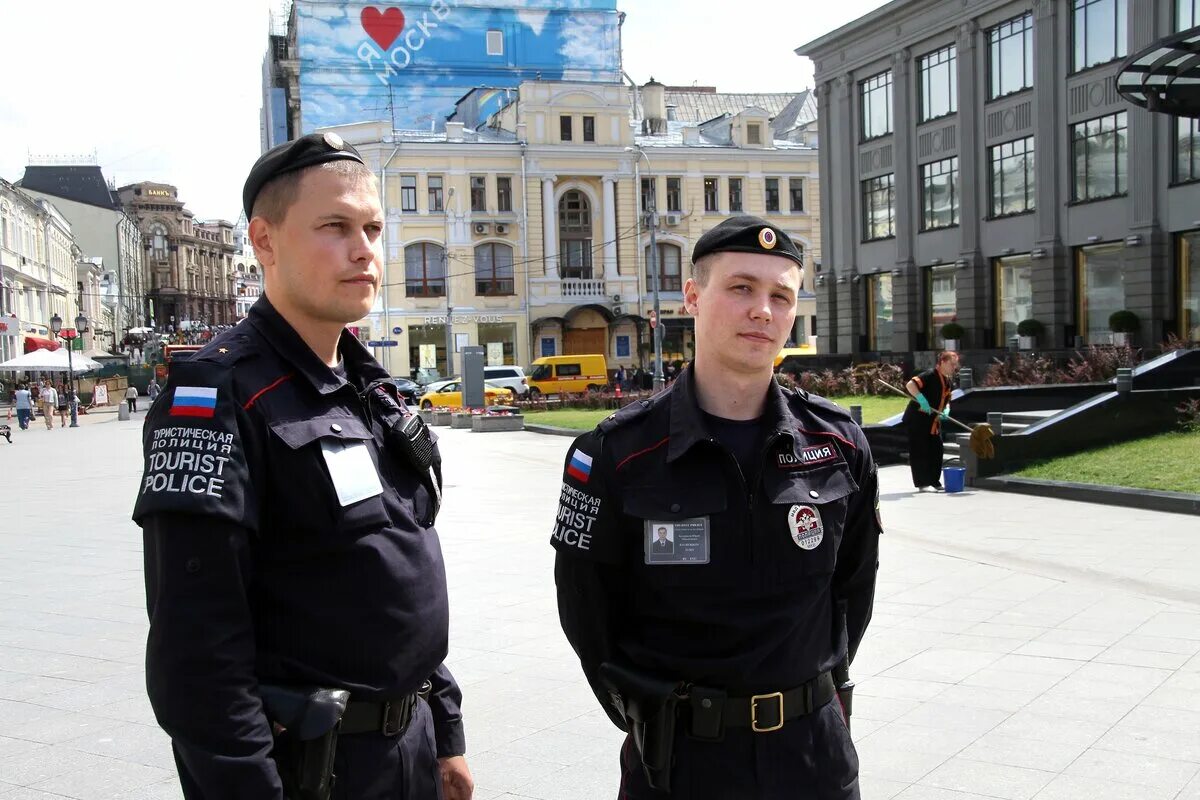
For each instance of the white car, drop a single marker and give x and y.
(509, 377)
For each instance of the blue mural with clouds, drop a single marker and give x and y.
(362, 61)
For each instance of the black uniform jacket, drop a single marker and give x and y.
(284, 543)
(937, 390)
(792, 546)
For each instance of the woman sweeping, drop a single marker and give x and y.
(923, 418)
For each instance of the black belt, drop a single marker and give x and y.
(763, 713)
(388, 717)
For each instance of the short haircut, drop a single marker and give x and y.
(947, 355)
(702, 268)
(277, 196)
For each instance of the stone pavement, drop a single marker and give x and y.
(1026, 648)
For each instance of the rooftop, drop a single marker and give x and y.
(83, 184)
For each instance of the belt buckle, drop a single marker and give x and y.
(392, 726)
(754, 726)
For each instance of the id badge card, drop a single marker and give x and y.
(352, 470)
(683, 541)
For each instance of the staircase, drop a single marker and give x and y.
(1014, 422)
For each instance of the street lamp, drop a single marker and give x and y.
(652, 221)
(81, 327)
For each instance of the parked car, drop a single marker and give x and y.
(448, 394)
(510, 376)
(557, 374)
(409, 390)
(427, 375)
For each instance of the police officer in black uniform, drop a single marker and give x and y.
(725, 662)
(294, 580)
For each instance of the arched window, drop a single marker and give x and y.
(493, 269)
(575, 235)
(424, 270)
(670, 259)
(158, 242)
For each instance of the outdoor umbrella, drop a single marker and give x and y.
(50, 361)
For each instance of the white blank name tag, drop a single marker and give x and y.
(354, 475)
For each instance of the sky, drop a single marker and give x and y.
(167, 90)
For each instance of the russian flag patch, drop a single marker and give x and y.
(580, 466)
(194, 401)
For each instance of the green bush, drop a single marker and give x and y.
(1124, 321)
(1030, 327)
(952, 330)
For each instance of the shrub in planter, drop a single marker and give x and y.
(952, 330)
(1030, 327)
(1189, 415)
(1021, 370)
(1098, 364)
(1124, 321)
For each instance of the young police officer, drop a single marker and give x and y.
(287, 507)
(718, 659)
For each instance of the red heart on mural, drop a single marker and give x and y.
(383, 26)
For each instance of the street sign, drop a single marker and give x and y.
(653, 320)
(382, 343)
(397, 330)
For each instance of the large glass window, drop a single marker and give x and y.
(772, 185)
(158, 242)
(493, 269)
(670, 260)
(1187, 14)
(1098, 151)
(427, 348)
(875, 95)
(879, 312)
(735, 195)
(499, 341)
(649, 195)
(939, 83)
(674, 194)
(408, 192)
(939, 194)
(1014, 296)
(564, 127)
(1010, 56)
(424, 270)
(1099, 30)
(1187, 149)
(504, 193)
(589, 129)
(1101, 288)
(575, 235)
(1189, 286)
(479, 193)
(796, 194)
(436, 202)
(710, 194)
(941, 302)
(879, 207)
(1012, 177)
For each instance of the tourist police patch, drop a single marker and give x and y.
(806, 527)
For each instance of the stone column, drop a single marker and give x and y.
(550, 226)
(907, 288)
(609, 265)
(973, 280)
(1053, 274)
(830, 246)
(851, 322)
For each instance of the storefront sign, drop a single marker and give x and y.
(464, 319)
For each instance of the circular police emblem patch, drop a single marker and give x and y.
(766, 237)
(334, 141)
(804, 523)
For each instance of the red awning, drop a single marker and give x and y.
(38, 343)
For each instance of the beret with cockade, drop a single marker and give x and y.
(307, 151)
(747, 234)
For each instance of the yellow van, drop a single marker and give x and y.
(558, 374)
(787, 352)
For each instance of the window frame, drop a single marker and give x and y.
(885, 85)
(793, 193)
(499, 51)
(408, 194)
(1179, 26)
(736, 196)
(675, 196)
(575, 238)
(425, 280)
(648, 194)
(504, 195)
(923, 89)
(566, 128)
(864, 192)
(873, 313)
(1177, 177)
(769, 193)
(995, 40)
(1029, 155)
(589, 129)
(436, 195)
(928, 213)
(1121, 48)
(998, 265)
(754, 133)
(714, 195)
(495, 282)
(478, 188)
(1121, 191)
(933, 335)
(676, 277)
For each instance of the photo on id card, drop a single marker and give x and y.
(683, 541)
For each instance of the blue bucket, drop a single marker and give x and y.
(953, 478)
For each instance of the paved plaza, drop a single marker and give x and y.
(1023, 648)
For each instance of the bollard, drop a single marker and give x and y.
(856, 415)
(966, 378)
(123, 412)
(1124, 380)
(996, 420)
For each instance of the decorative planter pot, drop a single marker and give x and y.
(1026, 342)
(482, 423)
(952, 344)
(441, 417)
(461, 421)
(427, 416)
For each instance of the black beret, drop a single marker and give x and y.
(747, 234)
(307, 151)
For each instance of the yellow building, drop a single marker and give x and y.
(523, 225)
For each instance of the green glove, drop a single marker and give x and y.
(924, 404)
(945, 412)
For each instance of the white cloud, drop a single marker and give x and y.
(536, 20)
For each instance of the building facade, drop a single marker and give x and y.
(529, 236)
(247, 272)
(981, 168)
(37, 265)
(190, 263)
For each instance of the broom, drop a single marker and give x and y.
(981, 435)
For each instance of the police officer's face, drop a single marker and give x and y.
(744, 314)
(324, 259)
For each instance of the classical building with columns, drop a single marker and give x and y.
(980, 167)
(524, 231)
(189, 263)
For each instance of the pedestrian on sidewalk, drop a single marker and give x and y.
(152, 390)
(63, 404)
(923, 417)
(131, 396)
(23, 402)
(49, 398)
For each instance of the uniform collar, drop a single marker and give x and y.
(360, 365)
(687, 419)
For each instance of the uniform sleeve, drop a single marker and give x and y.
(590, 609)
(200, 656)
(585, 522)
(194, 445)
(445, 703)
(858, 554)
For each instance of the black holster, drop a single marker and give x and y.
(649, 705)
(305, 723)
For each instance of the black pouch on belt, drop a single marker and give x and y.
(650, 706)
(305, 724)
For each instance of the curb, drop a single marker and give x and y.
(1148, 499)
(551, 430)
